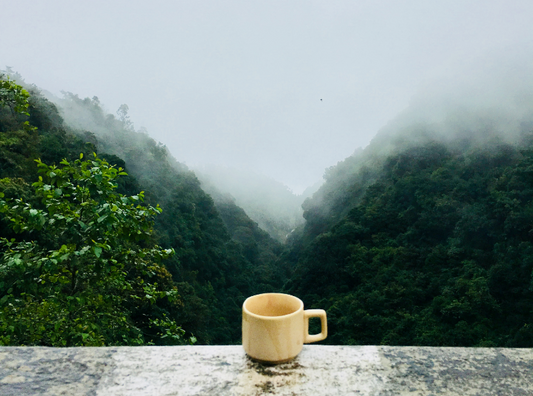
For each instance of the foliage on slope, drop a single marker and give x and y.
(258, 246)
(215, 269)
(438, 251)
(424, 236)
(212, 271)
(79, 266)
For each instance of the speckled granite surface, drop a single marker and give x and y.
(225, 370)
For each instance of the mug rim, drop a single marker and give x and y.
(263, 317)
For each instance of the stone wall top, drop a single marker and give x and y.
(225, 370)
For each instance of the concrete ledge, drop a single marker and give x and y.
(225, 370)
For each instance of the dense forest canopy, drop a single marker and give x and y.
(438, 251)
(422, 238)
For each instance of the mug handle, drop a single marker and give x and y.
(315, 313)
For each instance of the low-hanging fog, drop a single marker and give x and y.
(485, 98)
(286, 89)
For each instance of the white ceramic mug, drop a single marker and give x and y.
(275, 327)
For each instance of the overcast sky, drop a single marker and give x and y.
(285, 88)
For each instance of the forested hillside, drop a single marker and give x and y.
(220, 253)
(425, 236)
(422, 238)
(211, 271)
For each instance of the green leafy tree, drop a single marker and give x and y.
(86, 271)
(13, 96)
(18, 139)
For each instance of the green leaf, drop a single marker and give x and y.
(97, 251)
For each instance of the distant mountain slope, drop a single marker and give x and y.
(269, 203)
(467, 110)
(425, 236)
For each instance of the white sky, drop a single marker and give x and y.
(239, 83)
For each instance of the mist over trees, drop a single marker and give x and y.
(211, 271)
(424, 237)
(268, 202)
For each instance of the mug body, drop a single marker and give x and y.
(273, 327)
